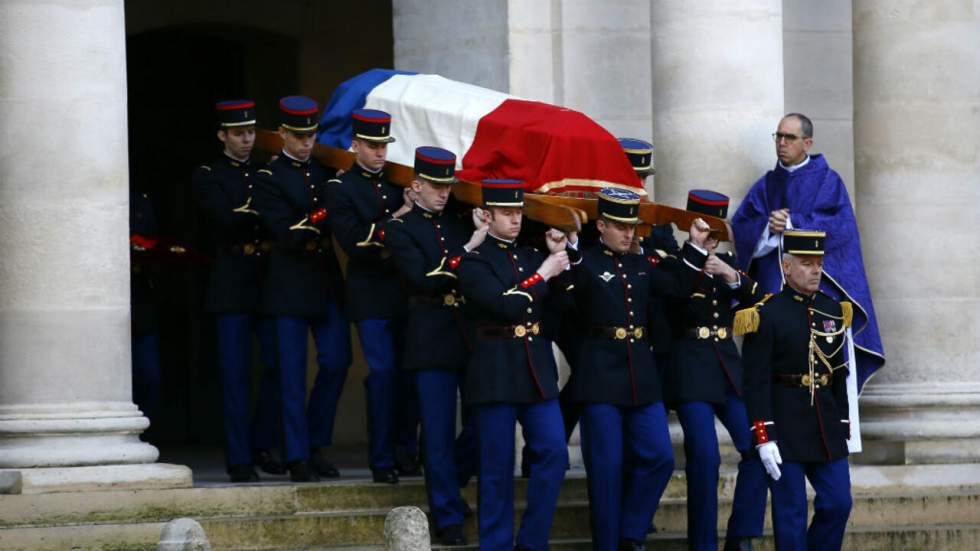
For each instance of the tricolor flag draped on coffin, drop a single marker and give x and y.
(494, 135)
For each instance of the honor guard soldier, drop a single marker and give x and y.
(427, 245)
(143, 300)
(362, 202)
(512, 375)
(640, 155)
(302, 289)
(615, 377)
(704, 381)
(223, 192)
(795, 391)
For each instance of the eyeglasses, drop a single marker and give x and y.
(788, 137)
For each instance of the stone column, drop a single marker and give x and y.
(66, 413)
(717, 94)
(917, 163)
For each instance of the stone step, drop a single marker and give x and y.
(366, 526)
(351, 512)
(283, 498)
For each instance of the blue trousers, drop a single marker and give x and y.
(146, 373)
(235, 372)
(544, 432)
(390, 393)
(306, 426)
(623, 499)
(444, 451)
(831, 505)
(703, 460)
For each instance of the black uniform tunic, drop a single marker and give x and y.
(809, 423)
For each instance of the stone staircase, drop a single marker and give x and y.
(934, 507)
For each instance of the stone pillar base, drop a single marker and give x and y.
(73, 435)
(903, 424)
(150, 476)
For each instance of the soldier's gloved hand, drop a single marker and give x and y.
(318, 216)
(771, 460)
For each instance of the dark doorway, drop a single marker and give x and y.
(175, 77)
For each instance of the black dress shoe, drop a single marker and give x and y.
(243, 473)
(451, 535)
(406, 463)
(630, 545)
(300, 471)
(323, 466)
(269, 462)
(738, 544)
(385, 476)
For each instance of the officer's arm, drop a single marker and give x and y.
(411, 263)
(215, 203)
(745, 290)
(676, 277)
(278, 215)
(480, 286)
(363, 240)
(757, 379)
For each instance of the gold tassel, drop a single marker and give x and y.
(746, 321)
(848, 310)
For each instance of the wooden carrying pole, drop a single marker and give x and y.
(565, 213)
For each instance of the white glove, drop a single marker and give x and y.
(769, 454)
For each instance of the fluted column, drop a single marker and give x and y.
(717, 94)
(917, 163)
(66, 411)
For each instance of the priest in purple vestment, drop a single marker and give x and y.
(803, 192)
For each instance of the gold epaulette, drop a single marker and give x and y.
(848, 310)
(747, 319)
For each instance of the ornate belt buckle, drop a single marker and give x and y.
(248, 249)
(704, 332)
(448, 300)
(824, 379)
(722, 333)
(535, 329)
(638, 333)
(805, 379)
(520, 330)
(620, 333)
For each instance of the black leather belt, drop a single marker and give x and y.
(804, 380)
(249, 249)
(510, 331)
(318, 245)
(703, 333)
(448, 299)
(619, 333)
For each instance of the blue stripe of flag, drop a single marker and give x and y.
(335, 125)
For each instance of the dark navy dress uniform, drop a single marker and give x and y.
(796, 394)
(704, 381)
(302, 291)
(511, 377)
(615, 377)
(143, 299)
(361, 204)
(223, 192)
(427, 247)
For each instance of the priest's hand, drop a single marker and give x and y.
(778, 219)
